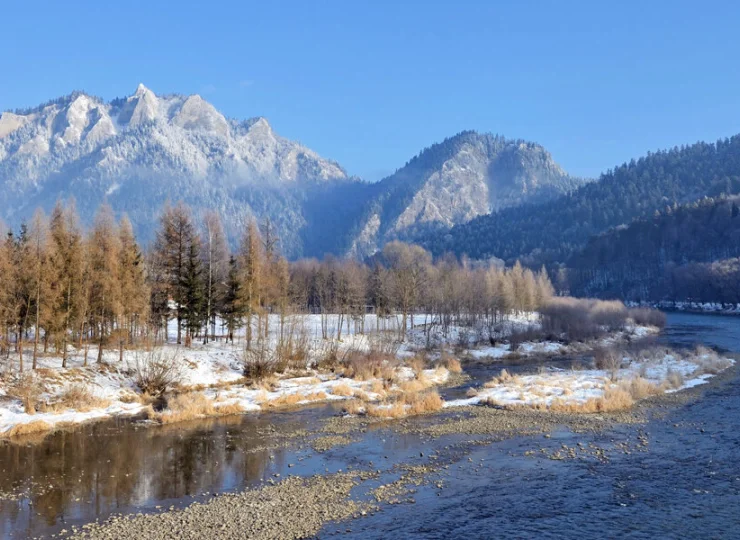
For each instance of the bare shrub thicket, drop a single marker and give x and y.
(647, 317)
(157, 371)
(579, 319)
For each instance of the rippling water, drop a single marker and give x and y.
(686, 484)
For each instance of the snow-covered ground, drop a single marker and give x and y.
(216, 370)
(666, 371)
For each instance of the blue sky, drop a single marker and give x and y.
(371, 83)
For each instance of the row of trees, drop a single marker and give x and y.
(62, 284)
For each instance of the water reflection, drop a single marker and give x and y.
(114, 466)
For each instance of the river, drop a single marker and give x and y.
(683, 482)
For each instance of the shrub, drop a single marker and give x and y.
(608, 359)
(156, 372)
(517, 337)
(647, 317)
(259, 362)
(582, 318)
(28, 389)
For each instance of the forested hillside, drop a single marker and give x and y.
(685, 252)
(552, 231)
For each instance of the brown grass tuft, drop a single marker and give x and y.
(354, 406)
(452, 364)
(342, 389)
(19, 430)
(78, 397)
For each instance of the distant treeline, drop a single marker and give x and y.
(684, 253)
(63, 285)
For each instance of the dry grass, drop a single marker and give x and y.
(504, 378)
(192, 405)
(422, 403)
(674, 379)
(377, 387)
(472, 392)
(229, 409)
(639, 388)
(407, 405)
(269, 384)
(418, 363)
(19, 430)
(342, 389)
(415, 385)
(367, 366)
(395, 410)
(708, 362)
(291, 400)
(306, 381)
(79, 398)
(451, 364)
(354, 406)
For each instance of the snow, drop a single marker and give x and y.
(215, 369)
(576, 387)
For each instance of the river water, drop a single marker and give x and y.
(684, 482)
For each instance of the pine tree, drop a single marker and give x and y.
(171, 250)
(230, 304)
(193, 293)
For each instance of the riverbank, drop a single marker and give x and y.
(378, 374)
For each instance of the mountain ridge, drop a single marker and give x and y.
(139, 151)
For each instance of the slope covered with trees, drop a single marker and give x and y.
(688, 253)
(65, 287)
(552, 231)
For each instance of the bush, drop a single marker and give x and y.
(28, 389)
(156, 372)
(582, 318)
(647, 317)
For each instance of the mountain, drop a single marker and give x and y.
(552, 231)
(452, 182)
(139, 151)
(687, 252)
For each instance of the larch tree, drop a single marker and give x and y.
(408, 264)
(133, 283)
(105, 291)
(7, 288)
(216, 268)
(67, 268)
(251, 280)
(41, 283)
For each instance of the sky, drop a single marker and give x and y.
(371, 83)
